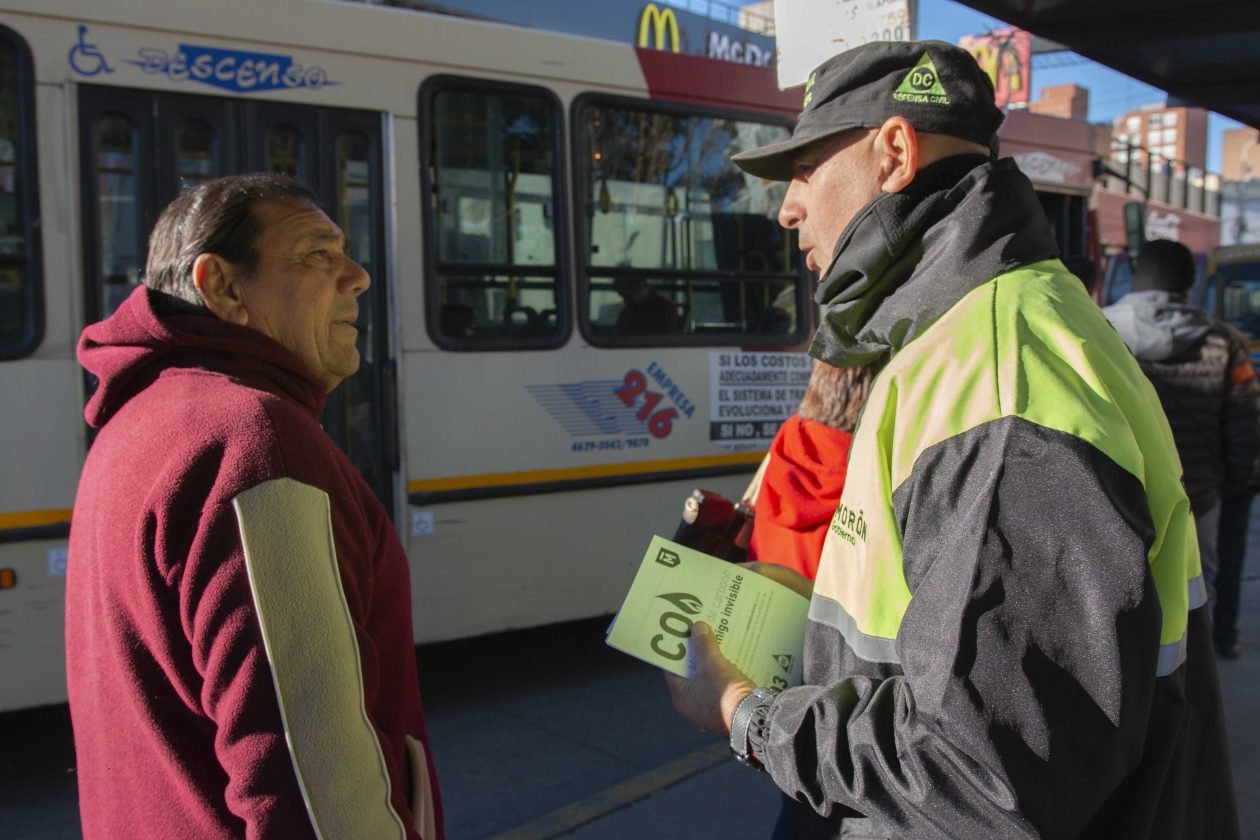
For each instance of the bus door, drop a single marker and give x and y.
(139, 149)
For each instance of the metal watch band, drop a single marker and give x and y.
(740, 722)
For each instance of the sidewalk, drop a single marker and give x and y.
(549, 733)
(591, 750)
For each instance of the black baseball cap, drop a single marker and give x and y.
(935, 85)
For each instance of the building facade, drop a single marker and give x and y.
(1173, 137)
(1240, 187)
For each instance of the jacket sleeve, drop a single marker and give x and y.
(1028, 651)
(273, 637)
(1241, 423)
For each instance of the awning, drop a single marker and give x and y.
(1204, 53)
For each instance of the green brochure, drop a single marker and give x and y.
(759, 623)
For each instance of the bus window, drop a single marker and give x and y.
(1067, 217)
(21, 318)
(354, 198)
(121, 246)
(1239, 284)
(492, 173)
(196, 153)
(349, 410)
(284, 152)
(681, 247)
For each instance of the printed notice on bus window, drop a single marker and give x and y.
(751, 394)
(759, 623)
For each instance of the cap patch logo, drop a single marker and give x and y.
(809, 89)
(922, 84)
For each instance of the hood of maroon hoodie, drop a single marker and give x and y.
(129, 350)
(805, 475)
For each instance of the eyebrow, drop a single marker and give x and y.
(322, 236)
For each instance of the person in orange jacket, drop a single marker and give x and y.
(804, 476)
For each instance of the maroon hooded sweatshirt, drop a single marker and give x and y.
(240, 657)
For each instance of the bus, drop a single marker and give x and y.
(504, 187)
(1231, 290)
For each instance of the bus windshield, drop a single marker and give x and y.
(1239, 283)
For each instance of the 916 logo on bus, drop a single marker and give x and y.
(660, 422)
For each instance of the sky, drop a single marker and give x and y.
(1110, 93)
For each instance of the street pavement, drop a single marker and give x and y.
(549, 733)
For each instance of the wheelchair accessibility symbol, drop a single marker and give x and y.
(85, 58)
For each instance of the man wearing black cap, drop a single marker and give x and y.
(1006, 637)
(1203, 374)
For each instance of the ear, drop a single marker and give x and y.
(897, 149)
(218, 284)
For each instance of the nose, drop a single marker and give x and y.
(354, 279)
(792, 211)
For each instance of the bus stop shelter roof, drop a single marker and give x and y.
(1202, 52)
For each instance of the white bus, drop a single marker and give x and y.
(500, 185)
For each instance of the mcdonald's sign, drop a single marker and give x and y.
(658, 21)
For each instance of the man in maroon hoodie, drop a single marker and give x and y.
(238, 621)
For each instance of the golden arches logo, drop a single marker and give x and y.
(659, 20)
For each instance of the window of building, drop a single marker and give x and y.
(678, 245)
(1170, 135)
(1170, 118)
(1133, 123)
(491, 159)
(1155, 120)
(21, 292)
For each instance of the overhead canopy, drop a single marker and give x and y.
(1202, 52)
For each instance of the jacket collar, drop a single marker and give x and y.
(907, 257)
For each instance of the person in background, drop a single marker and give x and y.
(1231, 550)
(644, 310)
(808, 459)
(240, 657)
(1007, 637)
(1205, 381)
(800, 488)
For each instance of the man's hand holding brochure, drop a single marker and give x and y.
(758, 624)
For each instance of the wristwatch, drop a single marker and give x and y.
(741, 722)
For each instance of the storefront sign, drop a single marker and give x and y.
(658, 28)
(1006, 55)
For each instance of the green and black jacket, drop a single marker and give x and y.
(1006, 638)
